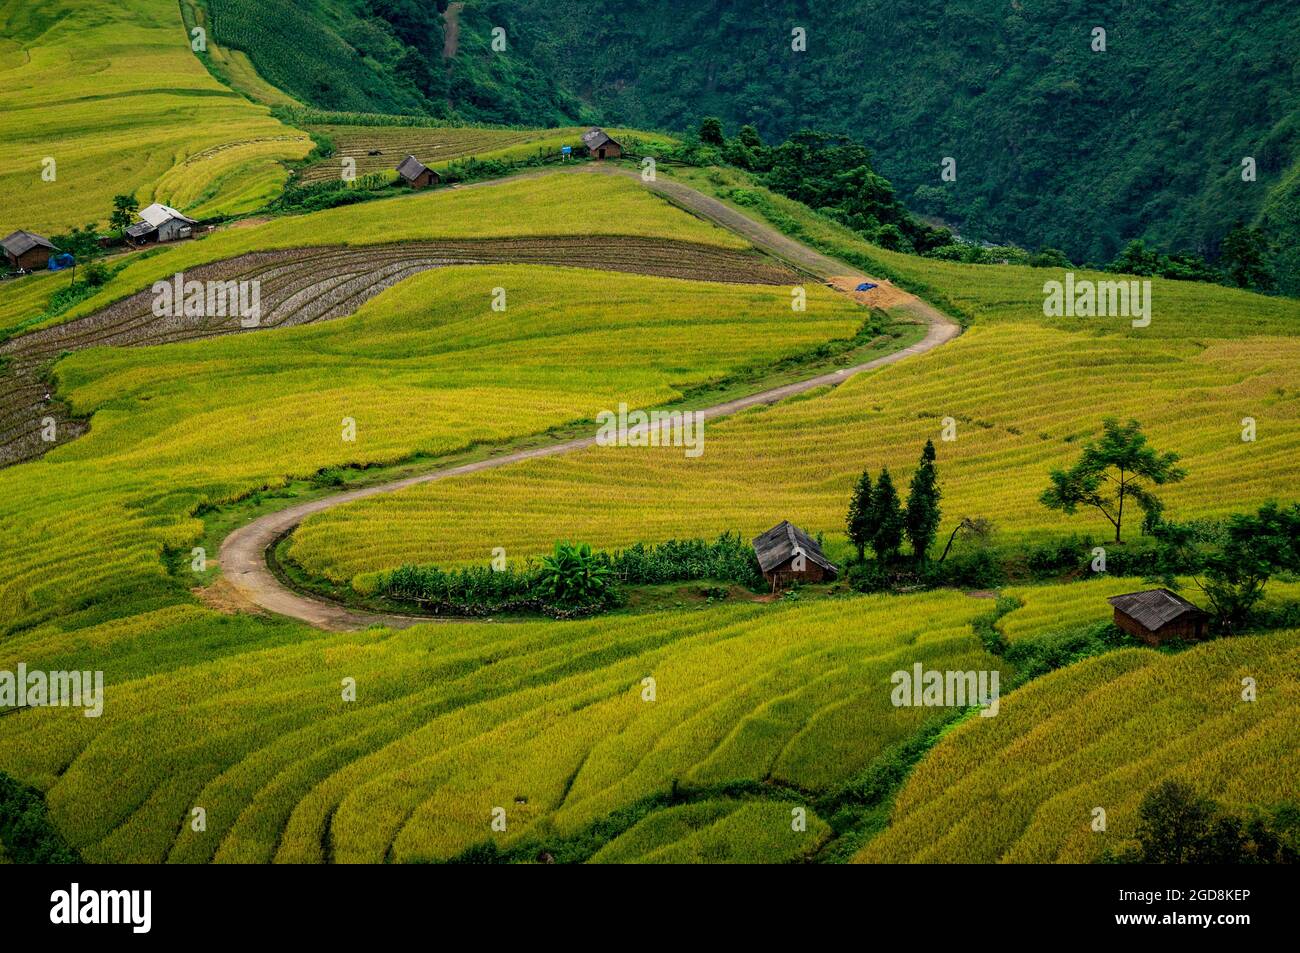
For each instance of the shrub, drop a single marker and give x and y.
(575, 576)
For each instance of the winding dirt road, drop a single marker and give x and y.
(243, 555)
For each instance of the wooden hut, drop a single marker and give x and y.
(787, 554)
(416, 174)
(1158, 615)
(27, 251)
(600, 145)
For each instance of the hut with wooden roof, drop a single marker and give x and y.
(1157, 615)
(600, 145)
(27, 251)
(416, 174)
(787, 554)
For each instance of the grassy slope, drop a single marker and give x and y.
(1022, 787)
(439, 146)
(112, 92)
(527, 207)
(1024, 389)
(546, 720)
(424, 368)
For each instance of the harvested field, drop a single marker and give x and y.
(380, 148)
(305, 285)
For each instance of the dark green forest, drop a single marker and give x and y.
(1055, 144)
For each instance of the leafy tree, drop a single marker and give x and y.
(886, 517)
(83, 245)
(1111, 471)
(749, 138)
(923, 514)
(1049, 258)
(1234, 573)
(575, 576)
(1178, 826)
(124, 209)
(1246, 256)
(711, 131)
(1136, 259)
(858, 520)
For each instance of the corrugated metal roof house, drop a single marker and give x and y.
(160, 223)
(787, 554)
(1158, 615)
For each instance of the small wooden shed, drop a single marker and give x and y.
(787, 554)
(1157, 615)
(600, 145)
(416, 174)
(27, 250)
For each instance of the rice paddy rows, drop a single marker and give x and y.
(541, 207)
(424, 366)
(1024, 400)
(545, 721)
(380, 148)
(1022, 787)
(299, 286)
(108, 125)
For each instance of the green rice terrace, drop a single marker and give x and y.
(608, 493)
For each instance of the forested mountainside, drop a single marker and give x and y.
(1055, 143)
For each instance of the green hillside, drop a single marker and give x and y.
(396, 56)
(1055, 144)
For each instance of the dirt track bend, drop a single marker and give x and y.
(243, 552)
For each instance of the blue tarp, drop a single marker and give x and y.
(59, 262)
(865, 286)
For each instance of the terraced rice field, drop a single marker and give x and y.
(381, 148)
(1021, 787)
(525, 208)
(1024, 396)
(546, 721)
(110, 126)
(425, 366)
(300, 286)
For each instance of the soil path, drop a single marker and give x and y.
(243, 555)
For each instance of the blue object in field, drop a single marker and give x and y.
(566, 150)
(59, 262)
(865, 286)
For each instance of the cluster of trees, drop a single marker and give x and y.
(1232, 570)
(837, 177)
(1245, 261)
(1178, 826)
(831, 174)
(877, 520)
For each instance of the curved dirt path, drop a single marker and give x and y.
(243, 555)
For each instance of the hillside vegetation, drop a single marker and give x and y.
(111, 92)
(1055, 144)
